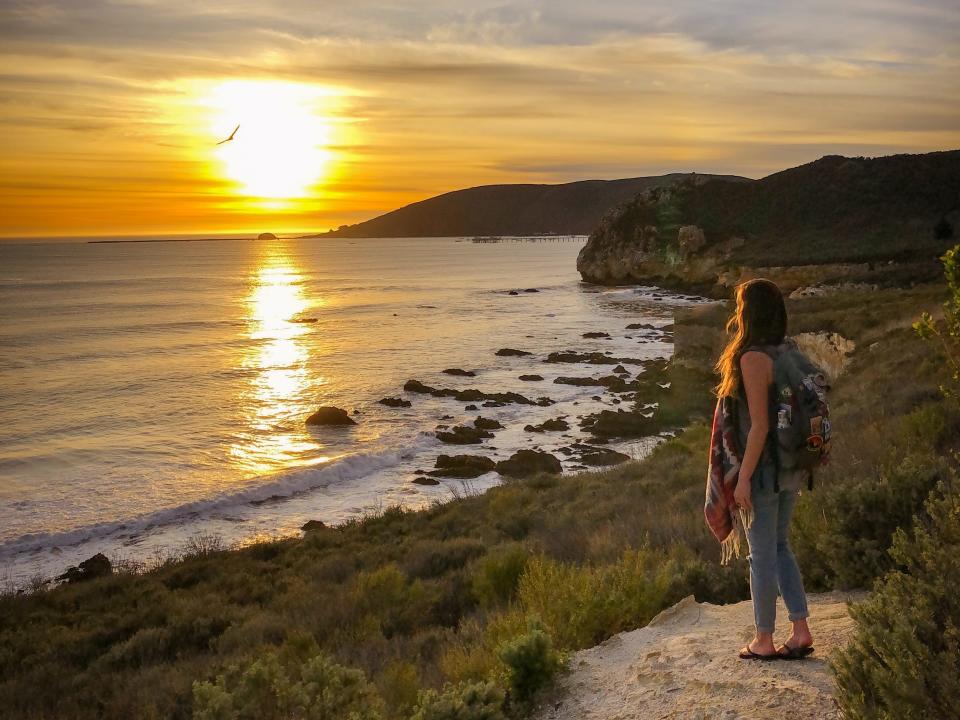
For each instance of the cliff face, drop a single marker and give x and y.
(833, 219)
(515, 209)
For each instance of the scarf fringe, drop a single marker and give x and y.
(732, 545)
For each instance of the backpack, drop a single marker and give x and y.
(802, 437)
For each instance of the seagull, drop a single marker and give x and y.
(231, 136)
(665, 386)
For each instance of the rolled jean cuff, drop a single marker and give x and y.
(769, 630)
(793, 617)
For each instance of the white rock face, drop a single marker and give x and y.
(828, 350)
(684, 666)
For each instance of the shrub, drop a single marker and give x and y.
(465, 701)
(497, 575)
(531, 662)
(274, 687)
(904, 662)
(583, 604)
(947, 338)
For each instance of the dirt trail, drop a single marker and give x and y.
(684, 665)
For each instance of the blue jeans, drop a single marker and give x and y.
(772, 564)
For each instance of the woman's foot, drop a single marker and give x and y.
(759, 649)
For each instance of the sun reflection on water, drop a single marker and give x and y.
(275, 401)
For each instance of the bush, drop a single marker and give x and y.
(531, 663)
(947, 338)
(497, 575)
(466, 701)
(904, 662)
(583, 604)
(277, 687)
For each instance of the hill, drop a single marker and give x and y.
(572, 208)
(836, 210)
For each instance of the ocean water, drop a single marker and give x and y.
(151, 392)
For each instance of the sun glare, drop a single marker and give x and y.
(281, 148)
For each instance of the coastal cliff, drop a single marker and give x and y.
(836, 219)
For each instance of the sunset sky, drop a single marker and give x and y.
(111, 108)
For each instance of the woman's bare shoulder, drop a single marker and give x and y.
(755, 363)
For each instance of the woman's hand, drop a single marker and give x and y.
(741, 493)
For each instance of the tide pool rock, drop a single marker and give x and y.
(529, 462)
(329, 415)
(462, 466)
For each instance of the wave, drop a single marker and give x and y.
(279, 486)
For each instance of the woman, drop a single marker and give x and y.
(746, 374)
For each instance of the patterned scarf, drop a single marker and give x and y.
(727, 522)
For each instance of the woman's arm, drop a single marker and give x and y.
(756, 369)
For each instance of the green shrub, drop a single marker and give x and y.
(583, 604)
(904, 662)
(496, 576)
(274, 687)
(947, 338)
(861, 518)
(465, 701)
(531, 663)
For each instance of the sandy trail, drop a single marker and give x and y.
(684, 665)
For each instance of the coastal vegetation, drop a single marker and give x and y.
(466, 609)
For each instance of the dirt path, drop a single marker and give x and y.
(684, 665)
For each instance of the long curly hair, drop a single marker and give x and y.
(759, 319)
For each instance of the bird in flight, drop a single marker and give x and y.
(231, 136)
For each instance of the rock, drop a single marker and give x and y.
(470, 407)
(483, 423)
(529, 462)
(829, 350)
(459, 372)
(690, 239)
(593, 358)
(313, 525)
(303, 320)
(463, 435)
(669, 668)
(494, 404)
(819, 290)
(395, 402)
(641, 326)
(596, 335)
(266, 236)
(602, 457)
(551, 425)
(328, 415)
(621, 370)
(468, 395)
(425, 481)
(531, 290)
(513, 292)
(93, 567)
(619, 423)
(614, 383)
(531, 378)
(511, 352)
(462, 466)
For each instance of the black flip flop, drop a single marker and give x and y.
(794, 653)
(747, 654)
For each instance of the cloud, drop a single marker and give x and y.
(430, 97)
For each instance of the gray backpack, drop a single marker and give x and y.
(802, 436)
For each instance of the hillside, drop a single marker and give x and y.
(834, 211)
(572, 208)
(683, 664)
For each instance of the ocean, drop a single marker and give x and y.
(154, 392)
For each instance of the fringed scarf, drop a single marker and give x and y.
(727, 522)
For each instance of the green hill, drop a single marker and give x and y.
(519, 209)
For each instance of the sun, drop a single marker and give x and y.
(281, 148)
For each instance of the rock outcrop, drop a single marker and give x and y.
(830, 221)
(529, 462)
(683, 665)
(330, 416)
(829, 350)
(93, 567)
